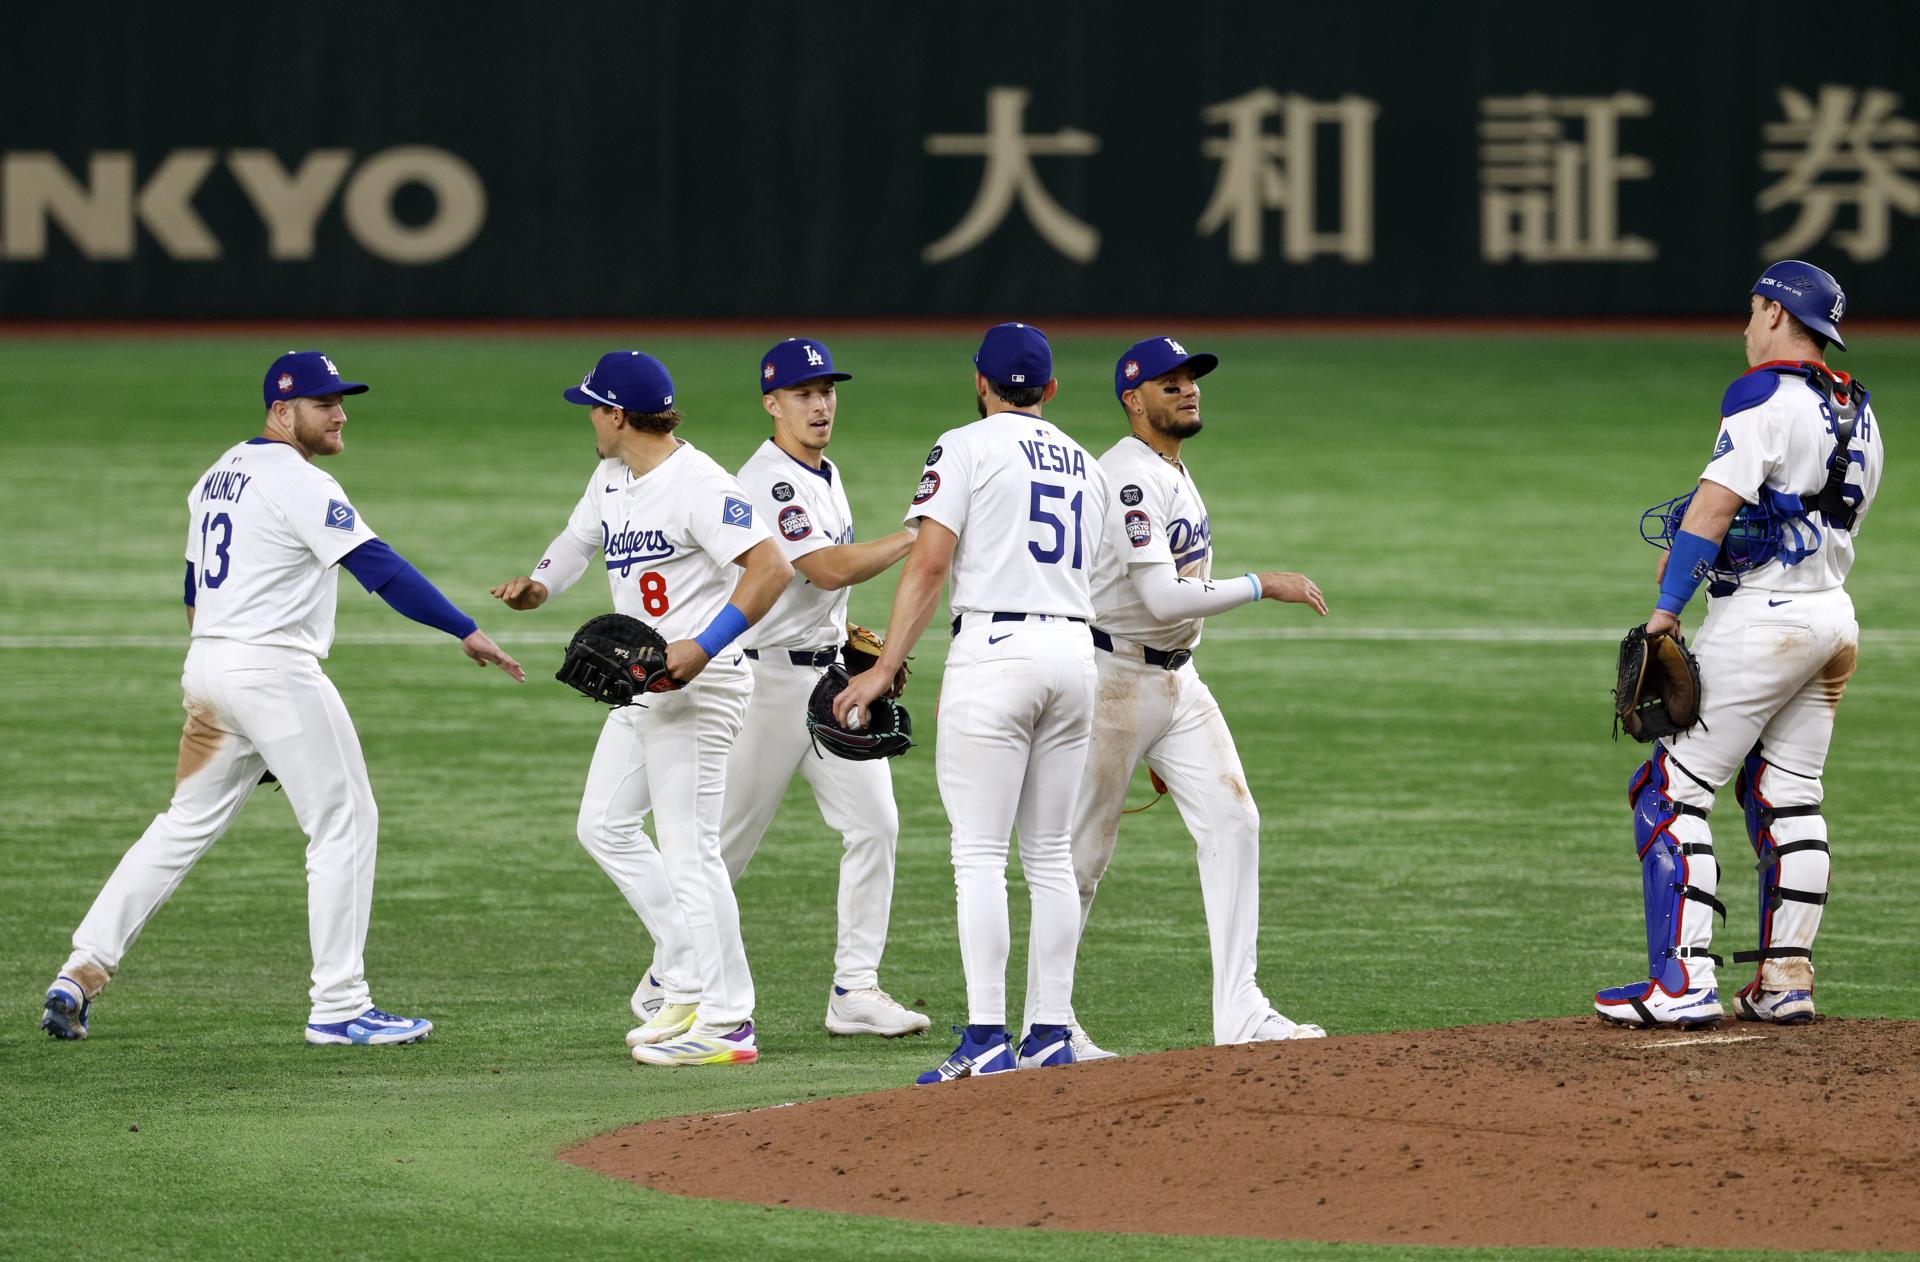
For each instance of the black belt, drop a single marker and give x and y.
(1020, 617)
(801, 657)
(1154, 657)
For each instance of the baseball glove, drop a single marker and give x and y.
(614, 658)
(888, 731)
(1658, 690)
(862, 652)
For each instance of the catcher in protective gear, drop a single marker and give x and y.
(614, 658)
(862, 650)
(887, 732)
(1657, 692)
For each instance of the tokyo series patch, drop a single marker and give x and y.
(929, 484)
(794, 522)
(1139, 529)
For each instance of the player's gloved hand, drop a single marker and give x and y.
(481, 648)
(850, 707)
(521, 593)
(685, 659)
(1294, 589)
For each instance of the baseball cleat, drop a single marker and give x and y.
(1645, 1005)
(1781, 1007)
(1084, 1048)
(67, 1008)
(1046, 1045)
(990, 1055)
(1278, 1029)
(670, 1022)
(736, 1047)
(647, 998)
(870, 1010)
(372, 1028)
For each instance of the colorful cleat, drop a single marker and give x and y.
(1278, 1029)
(990, 1055)
(736, 1047)
(372, 1028)
(1781, 1007)
(1046, 1045)
(67, 1008)
(871, 1010)
(1645, 1005)
(670, 1022)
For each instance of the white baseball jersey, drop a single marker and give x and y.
(669, 540)
(1026, 501)
(1781, 439)
(1154, 516)
(806, 509)
(265, 528)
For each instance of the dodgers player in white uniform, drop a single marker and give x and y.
(1798, 442)
(265, 529)
(672, 526)
(799, 493)
(1010, 507)
(1151, 595)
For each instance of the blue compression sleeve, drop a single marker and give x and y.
(189, 595)
(391, 577)
(722, 631)
(1687, 567)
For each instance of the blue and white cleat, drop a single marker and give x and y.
(1047, 1045)
(372, 1028)
(1781, 1007)
(1646, 1005)
(67, 1008)
(990, 1055)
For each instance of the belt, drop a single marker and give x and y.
(1020, 617)
(1154, 657)
(800, 657)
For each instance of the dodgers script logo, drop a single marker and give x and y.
(1189, 541)
(632, 546)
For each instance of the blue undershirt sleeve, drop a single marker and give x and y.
(189, 596)
(406, 590)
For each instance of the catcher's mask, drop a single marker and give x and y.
(1756, 536)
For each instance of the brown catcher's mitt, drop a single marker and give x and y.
(1658, 690)
(862, 651)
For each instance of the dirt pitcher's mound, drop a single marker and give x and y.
(1560, 1133)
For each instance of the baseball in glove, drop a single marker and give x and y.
(862, 652)
(888, 730)
(614, 658)
(1658, 690)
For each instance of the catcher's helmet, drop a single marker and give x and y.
(1812, 295)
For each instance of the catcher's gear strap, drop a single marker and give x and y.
(1773, 855)
(1844, 398)
(1699, 895)
(1772, 953)
(1695, 953)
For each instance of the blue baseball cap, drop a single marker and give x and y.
(1015, 355)
(1156, 357)
(1811, 294)
(794, 361)
(633, 381)
(304, 374)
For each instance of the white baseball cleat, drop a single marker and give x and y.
(1084, 1048)
(673, 1020)
(1782, 1007)
(647, 997)
(1277, 1029)
(871, 1010)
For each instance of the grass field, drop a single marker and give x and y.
(1445, 838)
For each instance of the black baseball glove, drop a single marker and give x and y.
(1658, 690)
(889, 729)
(614, 658)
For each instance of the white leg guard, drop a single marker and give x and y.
(1789, 838)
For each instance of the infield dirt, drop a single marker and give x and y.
(1563, 1132)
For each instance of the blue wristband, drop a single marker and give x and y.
(1253, 578)
(1687, 567)
(722, 631)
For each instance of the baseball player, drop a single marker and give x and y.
(1798, 447)
(1009, 506)
(672, 526)
(265, 528)
(1151, 596)
(799, 493)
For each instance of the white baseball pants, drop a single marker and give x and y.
(855, 799)
(250, 709)
(1016, 710)
(1170, 719)
(668, 755)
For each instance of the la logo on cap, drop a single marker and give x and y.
(286, 382)
(813, 358)
(1132, 369)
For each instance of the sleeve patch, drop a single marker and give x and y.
(340, 515)
(1722, 447)
(736, 512)
(783, 491)
(794, 522)
(929, 485)
(1139, 528)
(933, 457)
(1130, 495)
(1749, 391)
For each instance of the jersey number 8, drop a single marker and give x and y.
(653, 592)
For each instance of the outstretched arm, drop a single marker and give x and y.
(921, 579)
(407, 591)
(846, 564)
